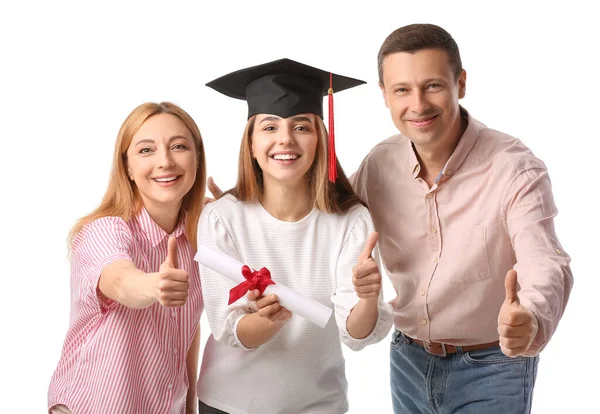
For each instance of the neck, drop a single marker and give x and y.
(286, 202)
(165, 217)
(434, 157)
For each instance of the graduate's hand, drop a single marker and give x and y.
(365, 275)
(517, 326)
(269, 307)
(171, 284)
(214, 190)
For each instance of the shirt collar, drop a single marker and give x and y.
(465, 145)
(153, 232)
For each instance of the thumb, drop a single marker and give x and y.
(171, 259)
(510, 285)
(369, 246)
(213, 188)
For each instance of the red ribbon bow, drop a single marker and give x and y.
(255, 279)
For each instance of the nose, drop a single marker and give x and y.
(165, 158)
(285, 136)
(419, 103)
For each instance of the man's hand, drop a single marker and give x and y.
(517, 326)
(214, 190)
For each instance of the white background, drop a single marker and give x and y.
(70, 72)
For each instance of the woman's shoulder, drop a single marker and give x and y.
(228, 207)
(103, 230)
(356, 212)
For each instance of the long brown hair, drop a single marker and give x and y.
(122, 198)
(327, 196)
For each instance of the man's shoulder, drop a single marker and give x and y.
(505, 149)
(397, 142)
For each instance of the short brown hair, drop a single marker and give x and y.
(415, 37)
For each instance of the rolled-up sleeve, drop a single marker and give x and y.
(542, 267)
(345, 297)
(100, 243)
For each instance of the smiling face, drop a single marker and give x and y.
(422, 93)
(284, 147)
(162, 161)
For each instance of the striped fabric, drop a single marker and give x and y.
(116, 359)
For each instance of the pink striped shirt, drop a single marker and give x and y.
(116, 359)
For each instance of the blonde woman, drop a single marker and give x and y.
(133, 339)
(287, 213)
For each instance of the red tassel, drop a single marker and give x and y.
(332, 158)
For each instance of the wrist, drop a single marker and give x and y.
(148, 283)
(368, 303)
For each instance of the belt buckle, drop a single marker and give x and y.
(435, 348)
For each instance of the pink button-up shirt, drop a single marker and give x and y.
(116, 359)
(447, 248)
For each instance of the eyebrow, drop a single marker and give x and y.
(296, 118)
(424, 82)
(151, 141)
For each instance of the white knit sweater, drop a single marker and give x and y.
(301, 369)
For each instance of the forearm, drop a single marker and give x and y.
(192, 372)
(362, 318)
(253, 330)
(125, 284)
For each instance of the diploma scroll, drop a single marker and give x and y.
(295, 302)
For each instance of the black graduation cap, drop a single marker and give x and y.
(285, 88)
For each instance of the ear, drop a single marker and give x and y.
(462, 84)
(384, 94)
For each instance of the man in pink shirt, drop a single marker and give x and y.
(465, 216)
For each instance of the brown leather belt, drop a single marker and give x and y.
(440, 349)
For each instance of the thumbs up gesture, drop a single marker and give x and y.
(365, 275)
(517, 326)
(172, 284)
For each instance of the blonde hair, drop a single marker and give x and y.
(327, 196)
(122, 198)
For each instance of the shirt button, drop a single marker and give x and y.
(423, 321)
(435, 260)
(433, 230)
(448, 172)
(430, 195)
(422, 293)
(170, 386)
(558, 251)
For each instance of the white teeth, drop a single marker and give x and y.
(165, 180)
(285, 156)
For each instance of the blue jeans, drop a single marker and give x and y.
(482, 381)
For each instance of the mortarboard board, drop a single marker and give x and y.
(285, 88)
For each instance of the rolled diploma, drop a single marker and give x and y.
(295, 302)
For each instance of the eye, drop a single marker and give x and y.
(269, 128)
(302, 128)
(180, 147)
(434, 86)
(400, 91)
(145, 150)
